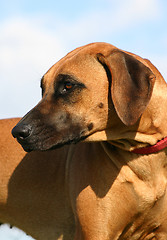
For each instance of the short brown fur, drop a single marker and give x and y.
(111, 192)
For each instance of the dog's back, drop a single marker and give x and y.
(32, 194)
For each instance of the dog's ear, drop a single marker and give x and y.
(131, 84)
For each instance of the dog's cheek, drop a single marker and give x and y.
(65, 124)
(97, 117)
(60, 121)
(68, 136)
(60, 129)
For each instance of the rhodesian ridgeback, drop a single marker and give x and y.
(113, 182)
(31, 194)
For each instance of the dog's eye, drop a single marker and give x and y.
(68, 86)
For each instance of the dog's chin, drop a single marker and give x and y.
(27, 148)
(45, 147)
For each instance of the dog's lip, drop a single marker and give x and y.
(28, 147)
(24, 145)
(74, 141)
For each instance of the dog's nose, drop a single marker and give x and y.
(21, 131)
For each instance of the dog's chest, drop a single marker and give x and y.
(143, 197)
(119, 203)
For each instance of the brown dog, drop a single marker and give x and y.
(31, 192)
(116, 186)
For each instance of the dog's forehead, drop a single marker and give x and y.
(77, 60)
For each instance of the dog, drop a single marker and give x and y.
(30, 188)
(106, 108)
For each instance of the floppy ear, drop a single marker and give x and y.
(131, 84)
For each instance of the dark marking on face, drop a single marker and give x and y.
(66, 84)
(90, 126)
(101, 105)
(46, 134)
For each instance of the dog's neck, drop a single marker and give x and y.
(147, 168)
(160, 145)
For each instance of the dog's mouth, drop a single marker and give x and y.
(74, 141)
(37, 136)
(34, 144)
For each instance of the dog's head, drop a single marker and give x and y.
(87, 93)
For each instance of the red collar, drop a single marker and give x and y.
(152, 149)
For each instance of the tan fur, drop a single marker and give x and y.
(111, 192)
(32, 195)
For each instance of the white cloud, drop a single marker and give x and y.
(160, 62)
(27, 51)
(118, 16)
(131, 12)
(22, 41)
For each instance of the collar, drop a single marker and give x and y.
(152, 148)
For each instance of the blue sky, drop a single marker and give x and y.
(35, 34)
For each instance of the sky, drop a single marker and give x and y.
(34, 34)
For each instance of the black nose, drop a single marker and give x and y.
(21, 131)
